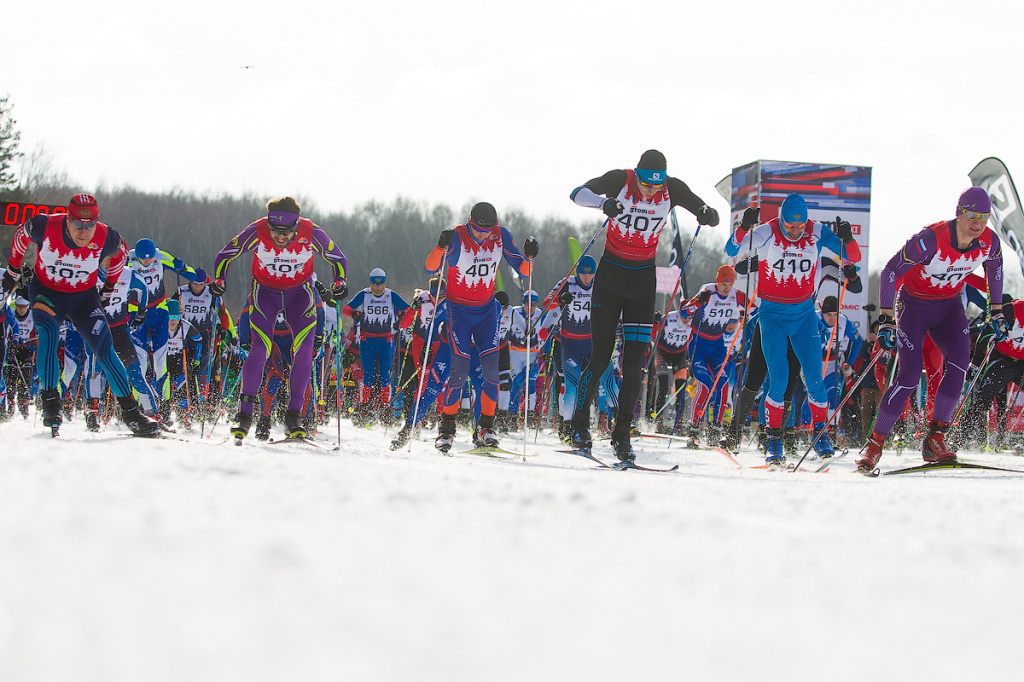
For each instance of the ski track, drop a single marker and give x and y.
(131, 559)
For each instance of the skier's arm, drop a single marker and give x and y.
(331, 252)
(246, 240)
(513, 255)
(830, 240)
(590, 193)
(31, 231)
(919, 249)
(176, 264)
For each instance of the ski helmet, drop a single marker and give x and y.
(530, 296)
(483, 216)
(651, 168)
(974, 200)
(587, 265)
(794, 209)
(145, 248)
(377, 276)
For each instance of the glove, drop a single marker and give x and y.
(140, 319)
(566, 298)
(843, 230)
(751, 217)
(417, 303)
(657, 317)
(445, 240)
(847, 370)
(531, 247)
(339, 290)
(886, 331)
(703, 297)
(999, 327)
(850, 271)
(178, 264)
(612, 207)
(11, 280)
(707, 216)
(357, 315)
(218, 287)
(105, 293)
(325, 294)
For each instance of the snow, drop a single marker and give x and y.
(129, 559)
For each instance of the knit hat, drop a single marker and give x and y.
(830, 305)
(726, 275)
(83, 208)
(975, 200)
(794, 209)
(483, 216)
(651, 168)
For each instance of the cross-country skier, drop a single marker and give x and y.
(72, 248)
(283, 245)
(934, 263)
(637, 202)
(672, 361)
(474, 250)
(788, 248)
(574, 298)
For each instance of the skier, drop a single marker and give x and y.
(934, 263)
(1005, 365)
(788, 248)
(184, 350)
(672, 361)
(378, 310)
(637, 202)
(283, 246)
(474, 250)
(574, 298)
(71, 249)
(202, 310)
(21, 355)
(845, 345)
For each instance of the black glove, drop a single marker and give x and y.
(843, 230)
(140, 319)
(751, 217)
(105, 293)
(886, 331)
(531, 247)
(657, 317)
(339, 290)
(707, 216)
(612, 207)
(999, 327)
(703, 297)
(566, 298)
(11, 280)
(850, 271)
(357, 315)
(218, 287)
(325, 294)
(417, 303)
(445, 240)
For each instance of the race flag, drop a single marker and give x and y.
(678, 255)
(991, 174)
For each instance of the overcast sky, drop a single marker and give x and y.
(516, 103)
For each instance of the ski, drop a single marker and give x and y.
(824, 466)
(587, 454)
(495, 452)
(932, 466)
(306, 441)
(624, 466)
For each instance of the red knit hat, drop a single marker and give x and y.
(726, 275)
(83, 207)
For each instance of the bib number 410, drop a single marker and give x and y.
(792, 266)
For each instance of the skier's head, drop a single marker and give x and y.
(502, 298)
(173, 313)
(530, 299)
(830, 310)
(972, 212)
(586, 270)
(145, 251)
(436, 287)
(283, 220)
(483, 217)
(197, 286)
(377, 279)
(725, 279)
(793, 215)
(651, 173)
(21, 305)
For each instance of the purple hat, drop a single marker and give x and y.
(975, 200)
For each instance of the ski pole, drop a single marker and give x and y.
(954, 422)
(852, 392)
(426, 346)
(529, 332)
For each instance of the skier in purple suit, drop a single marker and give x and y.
(283, 246)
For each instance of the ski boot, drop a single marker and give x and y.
(484, 435)
(731, 436)
(402, 437)
(92, 415)
(822, 446)
(445, 433)
(263, 428)
(622, 446)
(934, 448)
(240, 427)
(565, 431)
(775, 459)
(292, 425)
(789, 440)
(602, 423)
(693, 439)
(870, 455)
(139, 423)
(579, 436)
(51, 409)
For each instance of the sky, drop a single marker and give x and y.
(455, 102)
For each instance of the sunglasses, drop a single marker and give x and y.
(647, 185)
(789, 226)
(974, 215)
(80, 224)
(376, 280)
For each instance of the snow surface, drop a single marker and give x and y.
(129, 559)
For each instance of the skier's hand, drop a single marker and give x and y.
(566, 298)
(417, 303)
(445, 240)
(657, 317)
(531, 247)
(843, 230)
(703, 297)
(325, 294)
(139, 319)
(612, 207)
(11, 279)
(339, 290)
(105, 293)
(751, 217)
(357, 315)
(850, 271)
(218, 287)
(999, 327)
(178, 264)
(886, 331)
(707, 216)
